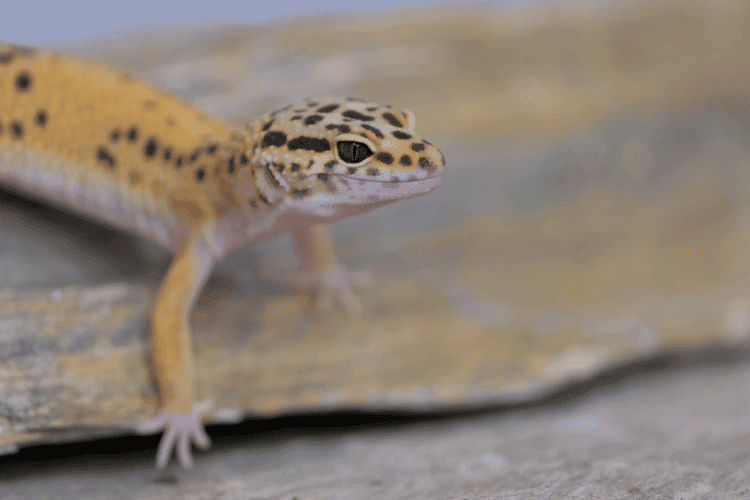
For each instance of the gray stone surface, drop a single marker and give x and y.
(674, 430)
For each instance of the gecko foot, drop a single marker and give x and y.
(179, 432)
(335, 286)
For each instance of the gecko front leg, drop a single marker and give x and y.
(172, 356)
(320, 272)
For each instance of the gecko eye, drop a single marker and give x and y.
(353, 151)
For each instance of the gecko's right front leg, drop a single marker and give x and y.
(172, 356)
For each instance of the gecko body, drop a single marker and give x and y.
(107, 146)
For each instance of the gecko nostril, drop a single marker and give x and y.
(427, 164)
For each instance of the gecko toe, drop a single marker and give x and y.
(335, 287)
(180, 431)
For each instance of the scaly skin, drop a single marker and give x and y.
(103, 144)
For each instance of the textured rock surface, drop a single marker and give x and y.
(678, 432)
(620, 234)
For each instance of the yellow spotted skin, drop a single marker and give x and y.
(104, 144)
(105, 122)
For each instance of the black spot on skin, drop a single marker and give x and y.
(23, 82)
(6, 57)
(150, 148)
(405, 160)
(356, 115)
(277, 139)
(391, 118)
(372, 171)
(309, 144)
(263, 199)
(285, 108)
(352, 170)
(149, 104)
(244, 160)
(178, 162)
(279, 167)
(115, 135)
(417, 147)
(310, 163)
(401, 135)
(231, 165)
(354, 99)
(17, 129)
(344, 129)
(323, 177)
(24, 51)
(167, 154)
(312, 104)
(216, 170)
(328, 108)
(384, 157)
(253, 203)
(329, 165)
(374, 130)
(212, 149)
(299, 193)
(105, 157)
(295, 167)
(194, 156)
(371, 108)
(133, 134)
(267, 125)
(272, 178)
(295, 117)
(426, 164)
(41, 118)
(200, 174)
(313, 119)
(300, 110)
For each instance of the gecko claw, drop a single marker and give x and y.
(180, 431)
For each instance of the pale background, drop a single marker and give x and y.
(54, 23)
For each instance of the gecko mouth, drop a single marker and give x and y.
(382, 190)
(367, 186)
(393, 180)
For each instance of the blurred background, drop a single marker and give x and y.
(595, 210)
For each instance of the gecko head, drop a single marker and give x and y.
(332, 153)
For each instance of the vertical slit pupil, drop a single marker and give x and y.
(353, 151)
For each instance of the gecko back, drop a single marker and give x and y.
(103, 144)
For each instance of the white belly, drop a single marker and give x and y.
(87, 191)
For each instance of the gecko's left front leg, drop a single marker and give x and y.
(172, 356)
